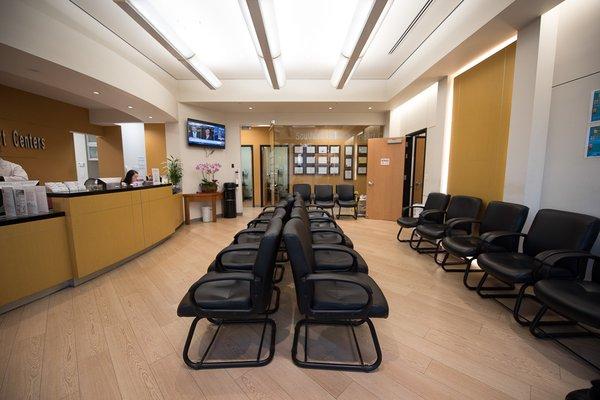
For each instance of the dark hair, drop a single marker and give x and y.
(129, 176)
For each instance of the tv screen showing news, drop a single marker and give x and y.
(205, 134)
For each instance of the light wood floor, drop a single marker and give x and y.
(118, 336)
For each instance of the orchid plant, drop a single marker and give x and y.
(208, 171)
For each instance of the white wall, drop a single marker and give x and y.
(571, 181)
(134, 147)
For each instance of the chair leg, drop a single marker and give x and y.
(466, 275)
(280, 267)
(360, 366)
(258, 362)
(355, 213)
(412, 240)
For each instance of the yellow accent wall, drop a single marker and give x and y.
(156, 146)
(480, 121)
(110, 150)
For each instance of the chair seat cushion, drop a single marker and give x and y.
(330, 260)
(253, 237)
(237, 261)
(407, 222)
(517, 268)
(436, 231)
(224, 295)
(346, 203)
(325, 204)
(347, 296)
(573, 299)
(322, 224)
(466, 246)
(331, 238)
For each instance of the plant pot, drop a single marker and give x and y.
(208, 187)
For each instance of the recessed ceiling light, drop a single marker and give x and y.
(95, 92)
(331, 108)
(150, 116)
(130, 107)
(249, 108)
(370, 108)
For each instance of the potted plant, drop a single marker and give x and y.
(208, 170)
(174, 171)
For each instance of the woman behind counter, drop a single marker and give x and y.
(130, 177)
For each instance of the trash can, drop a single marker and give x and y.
(206, 214)
(229, 206)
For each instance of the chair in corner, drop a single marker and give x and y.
(552, 232)
(346, 198)
(234, 298)
(435, 201)
(304, 190)
(347, 299)
(324, 198)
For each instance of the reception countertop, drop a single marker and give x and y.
(28, 218)
(117, 190)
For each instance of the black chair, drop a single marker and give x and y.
(234, 298)
(346, 198)
(435, 201)
(552, 232)
(322, 234)
(592, 393)
(340, 299)
(304, 190)
(314, 211)
(459, 208)
(323, 197)
(263, 219)
(498, 216)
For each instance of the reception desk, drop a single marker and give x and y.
(87, 234)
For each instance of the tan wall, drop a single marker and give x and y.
(110, 150)
(156, 146)
(255, 137)
(480, 120)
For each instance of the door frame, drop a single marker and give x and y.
(252, 166)
(409, 163)
(262, 198)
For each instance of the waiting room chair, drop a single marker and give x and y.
(331, 299)
(323, 197)
(435, 201)
(322, 234)
(234, 298)
(346, 198)
(304, 190)
(498, 216)
(552, 232)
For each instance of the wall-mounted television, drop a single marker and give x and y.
(205, 134)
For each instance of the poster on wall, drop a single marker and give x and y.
(334, 170)
(323, 149)
(595, 108)
(298, 149)
(298, 170)
(310, 170)
(348, 174)
(310, 149)
(334, 149)
(322, 160)
(593, 141)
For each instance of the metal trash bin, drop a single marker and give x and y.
(229, 200)
(206, 214)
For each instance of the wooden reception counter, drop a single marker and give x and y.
(87, 234)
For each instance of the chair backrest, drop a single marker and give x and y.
(463, 207)
(323, 193)
(299, 248)
(556, 229)
(502, 216)
(436, 201)
(264, 265)
(302, 214)
(345, 192)
(303, 189)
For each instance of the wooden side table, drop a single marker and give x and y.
(201, 197)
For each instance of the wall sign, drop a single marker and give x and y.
(384, 161)
(22, 141)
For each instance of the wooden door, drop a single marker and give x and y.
(419, 169)
(385, 177)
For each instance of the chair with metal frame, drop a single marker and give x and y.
(331, 234)
(435, 201)
(552, 232)
(498, 216)
(346, 198)
(331, 298)
(304, 190)
(459, 208)
(324, 197)
(234, 298)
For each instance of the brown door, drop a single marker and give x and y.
(419, 171)
(385, 176)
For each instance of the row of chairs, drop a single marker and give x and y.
(325, 198)
(552, 259)
(331, 282)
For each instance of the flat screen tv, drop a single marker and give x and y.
(205, 134)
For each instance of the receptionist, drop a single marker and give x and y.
(11, 172)
(130, 177)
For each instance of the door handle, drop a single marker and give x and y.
(370, 183)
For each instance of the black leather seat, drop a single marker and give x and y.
(552, 232)
(324, 231)
(498, 216)
(459, 209)
(235, 298)
(304, 190)
(435, 201)
(323, 197)
(577, 300)
(346, 198)
(592, 393)
(339, 298)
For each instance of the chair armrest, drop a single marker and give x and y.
(451, 223)
(489, 237)
(322, 219)
(344, 278)
(269, 209)
(220, 277)
(247, 231)
(411, 208)
(329, 230)
(340, 249)
(219, 267)
(550, 259)
(430, 215)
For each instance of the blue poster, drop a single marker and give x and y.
(595, 106)
(593, 145)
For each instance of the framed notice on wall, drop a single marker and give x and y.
(334, 149)
(592, 134)
(361, 162)
(348, 162)
(323, 149)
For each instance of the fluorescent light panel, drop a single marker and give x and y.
(148, 18)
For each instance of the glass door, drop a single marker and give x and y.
(274, 173)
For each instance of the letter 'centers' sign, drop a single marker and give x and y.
(23, 141)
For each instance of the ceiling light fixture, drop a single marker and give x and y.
(152, 22)
(130, 107)
(260, 19)
(331, 108)
(150, 116)
(249, 108)
(411, 25)
(95, 92)
(367, 18)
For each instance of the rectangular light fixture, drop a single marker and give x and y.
(152, 22)
(367, 19)
(260, 19)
